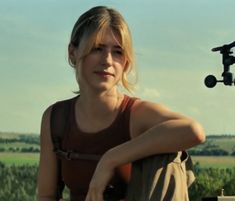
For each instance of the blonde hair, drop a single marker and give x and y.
(91, 26)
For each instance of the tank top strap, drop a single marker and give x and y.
(127, 104)
(126, 113)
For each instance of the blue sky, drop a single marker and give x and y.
(172, 41)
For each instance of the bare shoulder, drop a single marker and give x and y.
(45, 124)
(47, 113)
(45, 134)
(146, 114)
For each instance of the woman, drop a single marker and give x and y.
(104, 121)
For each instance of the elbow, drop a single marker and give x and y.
(197, 132)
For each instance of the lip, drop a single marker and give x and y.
(103, 73)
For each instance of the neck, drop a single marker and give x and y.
(98, 104)
(98, 110)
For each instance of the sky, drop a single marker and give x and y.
(172, 41)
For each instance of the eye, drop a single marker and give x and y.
(119, 52)
(97, 49)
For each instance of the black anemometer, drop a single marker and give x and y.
(227, 60)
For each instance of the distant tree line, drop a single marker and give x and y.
(220, 136)
(210, 152)
(210, 149)
(28, 139)
(22, 150)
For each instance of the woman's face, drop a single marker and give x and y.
(103, 67)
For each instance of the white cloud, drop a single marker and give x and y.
(148, 93)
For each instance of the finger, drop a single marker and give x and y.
(91, 195)
(100, 197)
(87, 198)
(96, 196)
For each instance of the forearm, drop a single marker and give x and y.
(168, 137)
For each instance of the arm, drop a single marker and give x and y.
(154, 130)
(47, 175)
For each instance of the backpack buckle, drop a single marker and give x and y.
(68, 155)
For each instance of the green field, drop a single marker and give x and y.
(10, 158)
(215, 161)
(226, 143)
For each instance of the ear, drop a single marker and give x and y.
(126, 65)
(72, 52)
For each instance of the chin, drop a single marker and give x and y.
(103, 87)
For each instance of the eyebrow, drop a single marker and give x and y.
(115, 46)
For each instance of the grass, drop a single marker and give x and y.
(10, 158)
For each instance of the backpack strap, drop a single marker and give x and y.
(59, 118)
(59, 122)
(73, 155)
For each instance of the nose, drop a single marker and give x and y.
(107, 58)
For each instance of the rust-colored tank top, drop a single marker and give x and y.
(77, 173)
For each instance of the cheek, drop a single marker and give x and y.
(90, 61)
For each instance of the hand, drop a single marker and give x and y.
(99, 181)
